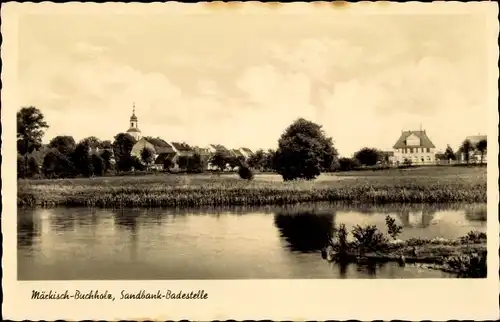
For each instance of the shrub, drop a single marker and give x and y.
(368, 238)
(393, 229)
(347, 164)
(245, 172)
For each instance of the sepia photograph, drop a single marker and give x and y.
(225, 143)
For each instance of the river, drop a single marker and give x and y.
(229, 243)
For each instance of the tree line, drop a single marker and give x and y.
(304, 152)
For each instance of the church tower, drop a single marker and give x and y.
(134, 128)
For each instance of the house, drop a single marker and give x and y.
(474, 154)
(236, 153)
(414, 147)
(182, 149)
(246, 152)
(161, 149)
(214, 148)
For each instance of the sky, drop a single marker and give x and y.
(241, 79)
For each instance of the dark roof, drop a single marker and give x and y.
(133, 129)
(219, 147)
(184, 147)
(161, 146)
(160, 159)
(425, 142)
(133, 117)
(247, 150)
(237, 153)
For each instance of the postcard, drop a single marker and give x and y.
(281, 161)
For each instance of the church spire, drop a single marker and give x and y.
(133, 117)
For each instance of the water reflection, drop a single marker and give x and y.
(305, 231)
(27, 230)
(219, 243)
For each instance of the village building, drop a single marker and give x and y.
(161, 149)
(246, 152)
(474, 153)
(414, 147)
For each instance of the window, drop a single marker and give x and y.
(428, 150)
(411, 150)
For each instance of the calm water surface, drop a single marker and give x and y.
(82, 243)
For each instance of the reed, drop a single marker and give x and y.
(182, 191)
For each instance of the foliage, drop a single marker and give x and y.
(347, 164)
(482, 146)
(31, 127)
(219, 160)
(137, 165)
(393, 229)
(304, 151)
(466, 148)
(449, 154)
(183, 161)
(270, 160)
(257, 160)
(64, 144)
(167, 164)
(368, 156)
(122, 147)
(469, 265)
(106, 144)
(81, 159)
(147, 156)
(57, 165)
(474, 237)
(368, 238)
(93, 142)
(196, 164)
(107, 157)
(98, 165)
(245, 172)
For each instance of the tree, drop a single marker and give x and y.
(82, 160)
(106, 144)
(63, 143)
(257, 160)
(347, 164)
(167, 163)
(147, 156)
(304, 151)
(183, 161)
(31, 127)
(368, 156)
(107, 155)
(269, 162)
(219, 160)
(57, 165)
(449, 154)
(122, 147)
(196, 164)
(93, 142)
(98, 165)
(466, 148)
(482, 147)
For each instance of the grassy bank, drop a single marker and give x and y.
(414, 185)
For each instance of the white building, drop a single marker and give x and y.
(414, 147)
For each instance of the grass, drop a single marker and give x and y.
(413, 185)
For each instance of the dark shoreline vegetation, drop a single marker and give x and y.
(464, 257)
(418, 185)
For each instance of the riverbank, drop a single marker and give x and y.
(464, 257)
(425, 185)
